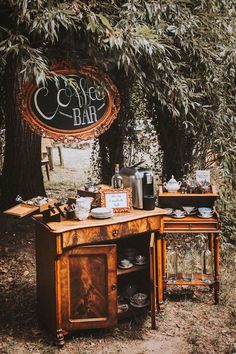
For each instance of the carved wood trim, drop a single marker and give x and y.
(86, 133)
(128, 191)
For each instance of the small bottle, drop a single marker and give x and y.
(171, 265)
(117, 180)
(207, 266)
(188, 266)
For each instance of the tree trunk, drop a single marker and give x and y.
(111, 151)
(22, 163)
(112, 142)
(176, 143)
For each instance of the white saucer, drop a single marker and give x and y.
(125, 267)
(140, 306)
(205, 217)
(178, 217)
(140, 264)
(102, 216)
(101, 211)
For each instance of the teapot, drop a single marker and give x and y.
(172, 185)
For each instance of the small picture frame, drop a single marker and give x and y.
(203, 176)
(120, 200)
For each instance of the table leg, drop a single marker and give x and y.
(164, 274)
(159, 273)
(211, 242)
(217, 265)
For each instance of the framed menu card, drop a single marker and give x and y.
(120, 200)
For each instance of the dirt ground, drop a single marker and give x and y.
(190, 322)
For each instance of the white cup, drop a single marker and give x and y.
(125, 263)
(179, 212)
(82, 208)
(206, 213)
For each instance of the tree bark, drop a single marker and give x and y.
(112, 142)
(111, 151)
(21, 173)
(176, 143)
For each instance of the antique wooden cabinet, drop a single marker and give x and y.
(190, 224)
(78, 280)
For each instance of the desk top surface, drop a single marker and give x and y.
(68, 225)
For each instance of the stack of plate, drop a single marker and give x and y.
(101, 213)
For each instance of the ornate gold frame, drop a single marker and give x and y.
(127, 191)
(72, 135)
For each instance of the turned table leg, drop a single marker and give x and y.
(217, 265)
(159, 273)
(211, 248)
(211, 242)
(59, 339)
(164, 273)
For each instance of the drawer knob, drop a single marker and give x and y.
(190, 226)
(115, 233)
(114, 287)
(75, 239)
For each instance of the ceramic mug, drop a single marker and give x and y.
(82, 207)
(206, 214)
(125, 262)
(149, 202)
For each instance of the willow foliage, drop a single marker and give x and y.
(182, 52)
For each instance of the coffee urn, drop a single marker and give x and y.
(141, 181)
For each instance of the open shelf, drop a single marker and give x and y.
(132, 312)
(196, 282)
(163, 193)
(131, 270)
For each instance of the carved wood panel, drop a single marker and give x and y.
(110, 232)
(88, 287)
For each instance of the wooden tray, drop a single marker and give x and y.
(21, 210)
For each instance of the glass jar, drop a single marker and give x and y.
(197, 266)
(207, 265)
(171, 264)
(188, 265)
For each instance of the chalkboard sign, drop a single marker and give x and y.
(73, 105)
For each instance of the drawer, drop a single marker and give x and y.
(109, 232)
(170, 226)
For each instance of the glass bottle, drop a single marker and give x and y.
(188, 265)
(171, 264)
(197, 268)
(207, 265)
(117, 180)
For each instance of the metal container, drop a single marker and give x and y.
(141, 182)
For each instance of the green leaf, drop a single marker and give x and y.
(105, 21)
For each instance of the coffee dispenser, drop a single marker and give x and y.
(141, 182)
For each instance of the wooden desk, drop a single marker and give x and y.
(77, 276)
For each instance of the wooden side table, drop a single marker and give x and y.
(187, 225)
